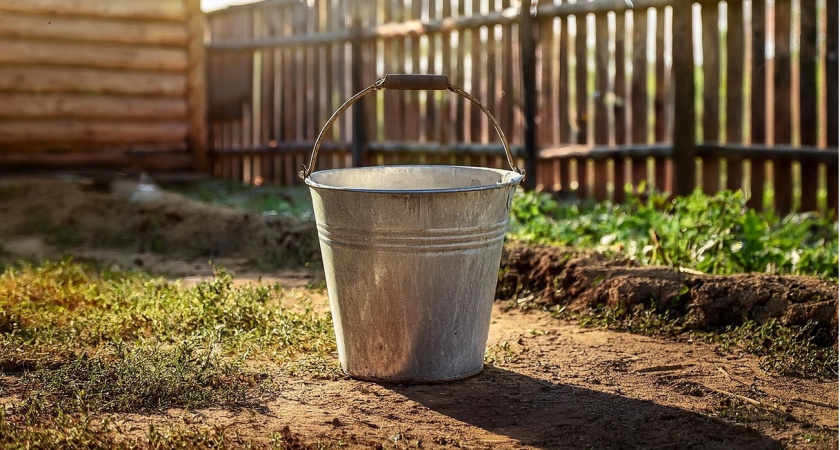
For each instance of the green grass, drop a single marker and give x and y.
(67, 304)
(80, 341)
(713, 234)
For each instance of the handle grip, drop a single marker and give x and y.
(412, 82)
(415, 82)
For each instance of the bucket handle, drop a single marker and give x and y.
(408, 82)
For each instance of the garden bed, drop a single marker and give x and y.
(546, 276)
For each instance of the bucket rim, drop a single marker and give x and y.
(514, 179)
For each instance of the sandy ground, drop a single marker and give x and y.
(558, 386)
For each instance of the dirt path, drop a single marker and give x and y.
(556, 385)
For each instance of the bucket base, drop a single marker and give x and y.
(413, 381)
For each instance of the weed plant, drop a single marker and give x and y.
(713, 234)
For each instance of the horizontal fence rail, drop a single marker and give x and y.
(594, 96)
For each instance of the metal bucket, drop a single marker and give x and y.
(411, 256)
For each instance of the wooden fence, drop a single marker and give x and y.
(732, 94)
(102, 84)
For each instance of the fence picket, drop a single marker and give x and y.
(581, 75)
(831, 95)
(563, 98)
(711, 74)
(619, 99)
(758, 94)
(639, 88)
(601, 119)
(735, 75)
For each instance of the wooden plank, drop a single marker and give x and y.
(506, 116)
(684, 113)
(581, 75)
(431, 114)
(413, 126)
(330, 101)
(91, 107)
(160, 59)
(357, 84)
(600, 6)
(639, 171)
(172, 10)
(783, 186)
(619, 178)
(832, 82)
(460, 73)
(391, 65)
(545, 175)
(563, 173)
(476, 53)
(26, 26)
(582, 178)
(416, 27)
(639, 92)
(757, 180)
(446, 112)
(547, 109)
(289, 92)
(563, 97)
(600, 180)
(735, 72)
(94, 132)
(809, 176)
(107, 82)
(197, 84)
(601, 119)
(772, 153)
(831, 186)
(711, 175)
(620, 88)
(711, 74)
(662, 168)
(527, 41)
(758, 91)
(808, 80)
(782, 120)
(734, 173)
(164, 162)
(660, 128)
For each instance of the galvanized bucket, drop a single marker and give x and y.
(411, 256)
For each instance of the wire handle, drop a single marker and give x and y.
(410, 82)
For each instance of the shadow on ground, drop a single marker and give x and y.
(543, 414)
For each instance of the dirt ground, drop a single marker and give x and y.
(551, 384)
(556, 386)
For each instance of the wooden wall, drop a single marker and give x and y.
(102, 84)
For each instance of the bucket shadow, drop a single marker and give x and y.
(547, 415)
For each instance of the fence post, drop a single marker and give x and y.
(197, 86)
(685, 146)
(357, 64)
(527, 43)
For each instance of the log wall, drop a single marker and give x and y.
(102, 84)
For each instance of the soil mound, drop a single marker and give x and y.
(126, 216)
(583, 280)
